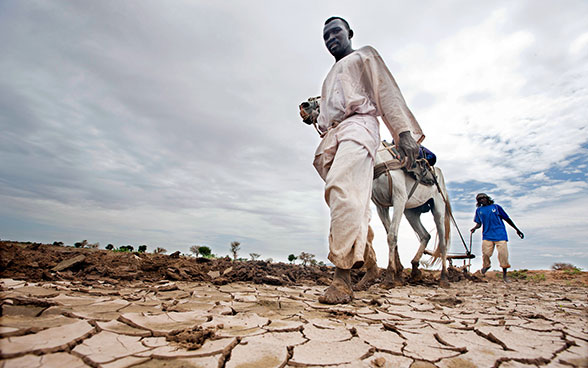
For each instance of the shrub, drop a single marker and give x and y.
(206, 252)
(142, 248)
(292, 258)
(110, 247)
(160, 250)
(538, 277)
(125, 248)
(196, 250)
(81, 244)
(563, 266)
(517, 274)
(573, 271)
(307, 258)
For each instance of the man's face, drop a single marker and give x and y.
(336, 37)
(483, 201)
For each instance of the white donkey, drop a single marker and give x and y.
(395, 188)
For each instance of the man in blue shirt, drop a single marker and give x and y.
(490, 217)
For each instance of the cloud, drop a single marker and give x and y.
(137, 123)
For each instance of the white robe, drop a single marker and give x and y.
(358, 88)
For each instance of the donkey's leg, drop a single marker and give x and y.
(393, 275)
(414, 219)
(384, 215)
(439, 217)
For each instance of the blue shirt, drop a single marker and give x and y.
(490, 217)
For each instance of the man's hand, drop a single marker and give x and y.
(408, 148)
(520, 234)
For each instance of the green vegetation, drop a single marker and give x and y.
(206, 252)
(122, 249)
(292, 258)
(142, 248)
(517, 274)
(574, 271)
(537, 277)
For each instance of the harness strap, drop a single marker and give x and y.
(415, 185)
(384, 167)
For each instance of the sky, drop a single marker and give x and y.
(175, 124)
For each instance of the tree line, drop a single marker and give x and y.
(199, 251)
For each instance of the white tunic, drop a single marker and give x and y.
(360, 84)
(358, 88)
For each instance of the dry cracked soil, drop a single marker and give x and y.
(66, 307)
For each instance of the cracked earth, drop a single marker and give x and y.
(199, 324)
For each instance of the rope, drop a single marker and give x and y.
(450, 212)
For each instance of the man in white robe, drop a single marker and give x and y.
(358, 88)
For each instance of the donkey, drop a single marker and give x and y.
(398, 189)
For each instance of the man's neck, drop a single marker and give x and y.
(347, 52)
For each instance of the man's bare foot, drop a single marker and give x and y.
(340, 290)
(368, 279)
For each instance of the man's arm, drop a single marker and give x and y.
(503, 215)
(511, 223)
(391, 106)
(473, 230)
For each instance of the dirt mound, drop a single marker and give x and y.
(44, 262)
(36, 262)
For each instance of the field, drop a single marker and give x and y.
(69, 307)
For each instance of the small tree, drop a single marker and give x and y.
(235, 247)
(254, 256)
(58, 243)
(81, 244)
(306, 258)
(205, 251)
(160, 250)
(292, 258)
(196, 250)
(93, 245)
(563, 266)
(142, 248)
(110, 247)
